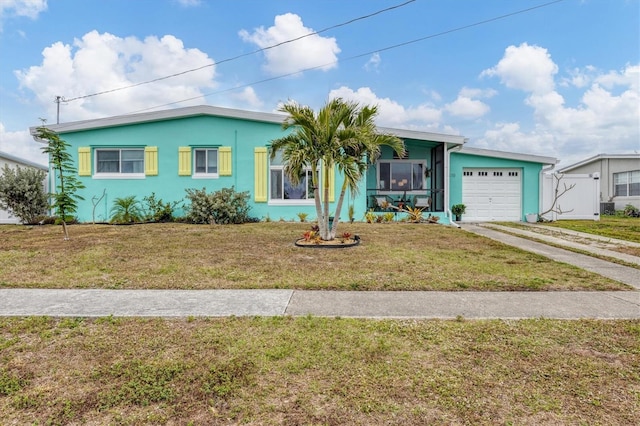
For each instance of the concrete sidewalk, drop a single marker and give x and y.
(401, 304)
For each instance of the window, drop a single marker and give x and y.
(401, 175)
(281, 187)
(120, 161)
(206, 161)
(627, 184)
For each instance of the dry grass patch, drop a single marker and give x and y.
(621, 228)
(318, 371)
(177, 256)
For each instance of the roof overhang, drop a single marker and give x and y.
(208, 110)
(508, 155)
(22, 161)
(598, 158)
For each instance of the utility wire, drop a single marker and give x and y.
(360, 55)
(360, 18)
(461, 28)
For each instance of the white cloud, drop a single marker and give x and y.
(373, 63)
(467, 107)
(525, 67)
(189, 3)
(102, 62)
(605, 119)
(390, 112)
(21, 144)
(308, 52)
(27, 8)
(247, 96)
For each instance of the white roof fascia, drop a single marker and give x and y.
(146, 117)
(508, 155)
(170, 114)
(597, 158)
(22, 161)
(423, 136)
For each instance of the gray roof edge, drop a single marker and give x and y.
(145, 117)
(596, 158)
(23, 161)
(509, 155)
(420, 135)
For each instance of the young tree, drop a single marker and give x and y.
(67, 184)
(343, 135)
(22, 192)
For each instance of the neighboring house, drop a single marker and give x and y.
(167, 152)
(619, 178)
(7, 159)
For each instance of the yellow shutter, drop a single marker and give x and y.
(261, 169)
(84, 161)
(184, 161)
(151, 160)
(224, 157)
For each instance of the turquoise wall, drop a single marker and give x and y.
(241, 135)
(530, 177)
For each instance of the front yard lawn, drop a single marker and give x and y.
(397, 256)
(318, 371)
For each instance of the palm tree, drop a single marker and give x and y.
(126, 210)
(341, 135)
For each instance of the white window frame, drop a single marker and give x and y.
(410, 189)
(120, 174)
(289, 201)
(206, 175)
(631, 177)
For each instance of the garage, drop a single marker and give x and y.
(492, 194)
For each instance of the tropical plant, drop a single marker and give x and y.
(303, 216)
(370, 216)
(458, 209)
(126, 210)
(159, 211)
(341, 135)
(22, 192)
(65, 197)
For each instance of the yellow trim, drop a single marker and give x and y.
(151, 160)
(261, 168)
(184, 161)
(84, 161)
(224, 158)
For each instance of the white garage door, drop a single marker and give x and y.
(492, 194)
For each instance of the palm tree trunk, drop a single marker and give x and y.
(324, 227)
(343, 191)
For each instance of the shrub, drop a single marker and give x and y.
(22, 193)
(631, 211)
(225, 206)
(159, 211)
(126, 210)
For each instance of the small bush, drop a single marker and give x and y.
(126, 210)
(631, 211)
(159, 211)
(225, 206)
(22, 193)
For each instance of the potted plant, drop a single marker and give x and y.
(458, 210)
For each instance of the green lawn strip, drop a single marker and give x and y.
(396, 256)
(318, 371)
(621, 228)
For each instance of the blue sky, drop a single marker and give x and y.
(560, 80)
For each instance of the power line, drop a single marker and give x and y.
(395, 46)
(351, 21)
(360, 55)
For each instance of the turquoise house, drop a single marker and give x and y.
(168, 152)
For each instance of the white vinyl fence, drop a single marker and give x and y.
(582, 201)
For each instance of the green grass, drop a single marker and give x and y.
(396, 256)
(318, 371)
(622, 228)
